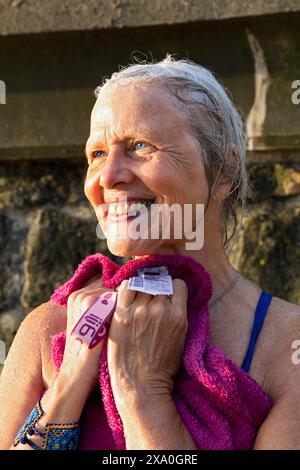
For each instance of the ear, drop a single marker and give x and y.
(223, 189)
(235, 153)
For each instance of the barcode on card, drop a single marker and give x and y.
(153, 281)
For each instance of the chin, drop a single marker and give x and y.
(131, 248)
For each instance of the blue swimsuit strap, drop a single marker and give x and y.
(260, 313)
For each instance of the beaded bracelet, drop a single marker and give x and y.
(55, 436)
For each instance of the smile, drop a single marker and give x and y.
(119, 211)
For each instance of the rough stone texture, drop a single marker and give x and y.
(268, 248)
(13, 231)
(57, 241)
(288, 180)
(9, 324)
(46, 228)
(27, 184)
(273, 179)
(34, 16)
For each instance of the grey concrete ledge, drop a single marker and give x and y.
(37, 16)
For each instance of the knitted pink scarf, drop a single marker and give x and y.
(221, 406)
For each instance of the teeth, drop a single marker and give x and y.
(112, 209)
(138, 207)
(119, 209)
(132, 208)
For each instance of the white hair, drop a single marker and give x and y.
(215, 120)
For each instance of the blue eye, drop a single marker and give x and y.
(137, 143)
(97, 152)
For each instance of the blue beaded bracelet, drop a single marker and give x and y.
(29, 424)
(61, 436)
(55, 436)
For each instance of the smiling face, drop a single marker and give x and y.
(141, 147)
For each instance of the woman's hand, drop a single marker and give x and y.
(80, 364)
(146, 342)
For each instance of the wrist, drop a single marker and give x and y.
(129, 393)
(153, 425)
(62, 402)
(48, 429)
(78, 384)
(141, 403)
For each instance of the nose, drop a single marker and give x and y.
(116, 169)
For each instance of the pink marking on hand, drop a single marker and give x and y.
(90, 328)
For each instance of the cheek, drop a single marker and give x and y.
(92, 189)
(86, 188)
(159, 175)
(177, 180)
(196, 182)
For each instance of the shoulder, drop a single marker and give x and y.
(46, 319)
(36, 332)
(39, 326)
(283, 365)
(49, 318)
(281, 428)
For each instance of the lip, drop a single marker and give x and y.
(104, 213)
(119, 218)
(124, 198)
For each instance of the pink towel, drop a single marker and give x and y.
(221, 405)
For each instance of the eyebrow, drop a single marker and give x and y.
(142, 134)
(132, 134)
(94, 143)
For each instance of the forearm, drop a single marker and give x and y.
(61, 404)
(152, 424)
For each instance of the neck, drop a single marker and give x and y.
(212, 257)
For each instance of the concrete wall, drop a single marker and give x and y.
(52, 59)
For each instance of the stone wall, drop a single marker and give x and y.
(51, 68)
(47, 228)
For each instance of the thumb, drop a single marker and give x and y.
(125, 296)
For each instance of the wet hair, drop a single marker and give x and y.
(216, 123)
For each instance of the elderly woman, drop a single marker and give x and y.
(161, 133)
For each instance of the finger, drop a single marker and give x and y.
(125, 296)
(93, 282)
(180, 293)
(88, 329)
(87, 301)
(94, 286)
(142, 299)
(162, 300)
